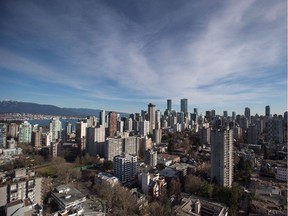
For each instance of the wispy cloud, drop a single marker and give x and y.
(163, 51)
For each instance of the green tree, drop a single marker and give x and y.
(108, 165)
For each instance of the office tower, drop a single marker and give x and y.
(3, 135)
(267, 110)
(55, 129)
(120, 126)
(91, 121)
(180, 117)
(212, 113)
(112, 124)
(169, 104)
(233, 116)
(25, 132)
(102, 118)
(225, 114)
(150, 158)
(252, 134)
(184, 105)
(247, 113)
(222, 157)
(195, 111)
(81, 135)
(151, 117)
(125, 167)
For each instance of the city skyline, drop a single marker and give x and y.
(224, 55)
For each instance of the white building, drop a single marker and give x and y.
(144, 128)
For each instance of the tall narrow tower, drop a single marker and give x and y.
(151, 117)
(184, 105)
(222, 157)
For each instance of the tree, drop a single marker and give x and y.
(108, 165)
(192, 184)
(174, 187)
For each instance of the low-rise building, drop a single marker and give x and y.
(68, 198)
(199, 206)
(281, 174)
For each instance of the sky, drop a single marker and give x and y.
(122, 55)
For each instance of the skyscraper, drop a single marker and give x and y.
(3, 135)
(25, 132)
(125, 167)
(112, 123)
(151, 117)
(184, 105)
(102, 118)
(247, 113)
(169, 104)
(222, 157)
(267, 110)
(55, 129)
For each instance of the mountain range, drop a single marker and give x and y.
(8, 106)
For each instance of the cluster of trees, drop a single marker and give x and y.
(229, 196)
(118, 198)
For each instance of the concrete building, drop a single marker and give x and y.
(205, 135)
(247, 113)
(150, 158)
(95, 136)
(68, 198)
(169, 104)
(102, 118)
(13, 130)
(112, 124)
(282, 174)
(36, 139)
(113, 147)
(199, 206)
(125, 167)
(267, 111)
(222, 157)
(23, 185)
(91, 121)
(152, 184)
(25, 132)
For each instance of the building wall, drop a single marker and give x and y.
(222, 157)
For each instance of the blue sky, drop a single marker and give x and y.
(121, 55)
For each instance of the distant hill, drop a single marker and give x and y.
(34, 108)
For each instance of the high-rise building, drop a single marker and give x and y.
(267, 110)
(91, 121)
(151, 117)
(81, 135)
(247, 113)
(252, 134)
(55, 129)
(113, 147)
(3, 135)
(233, 116)
(25, 132)
(125, 167)
(13, 130)
(102, 118)
(222, 157)
(144, 128)
(225, 114)
(36, 139)
(95, 136)
(184, 105)
(150, 158)
(158, 119)
(112, 124)
(169, 104)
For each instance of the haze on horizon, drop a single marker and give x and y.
(121, 55)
